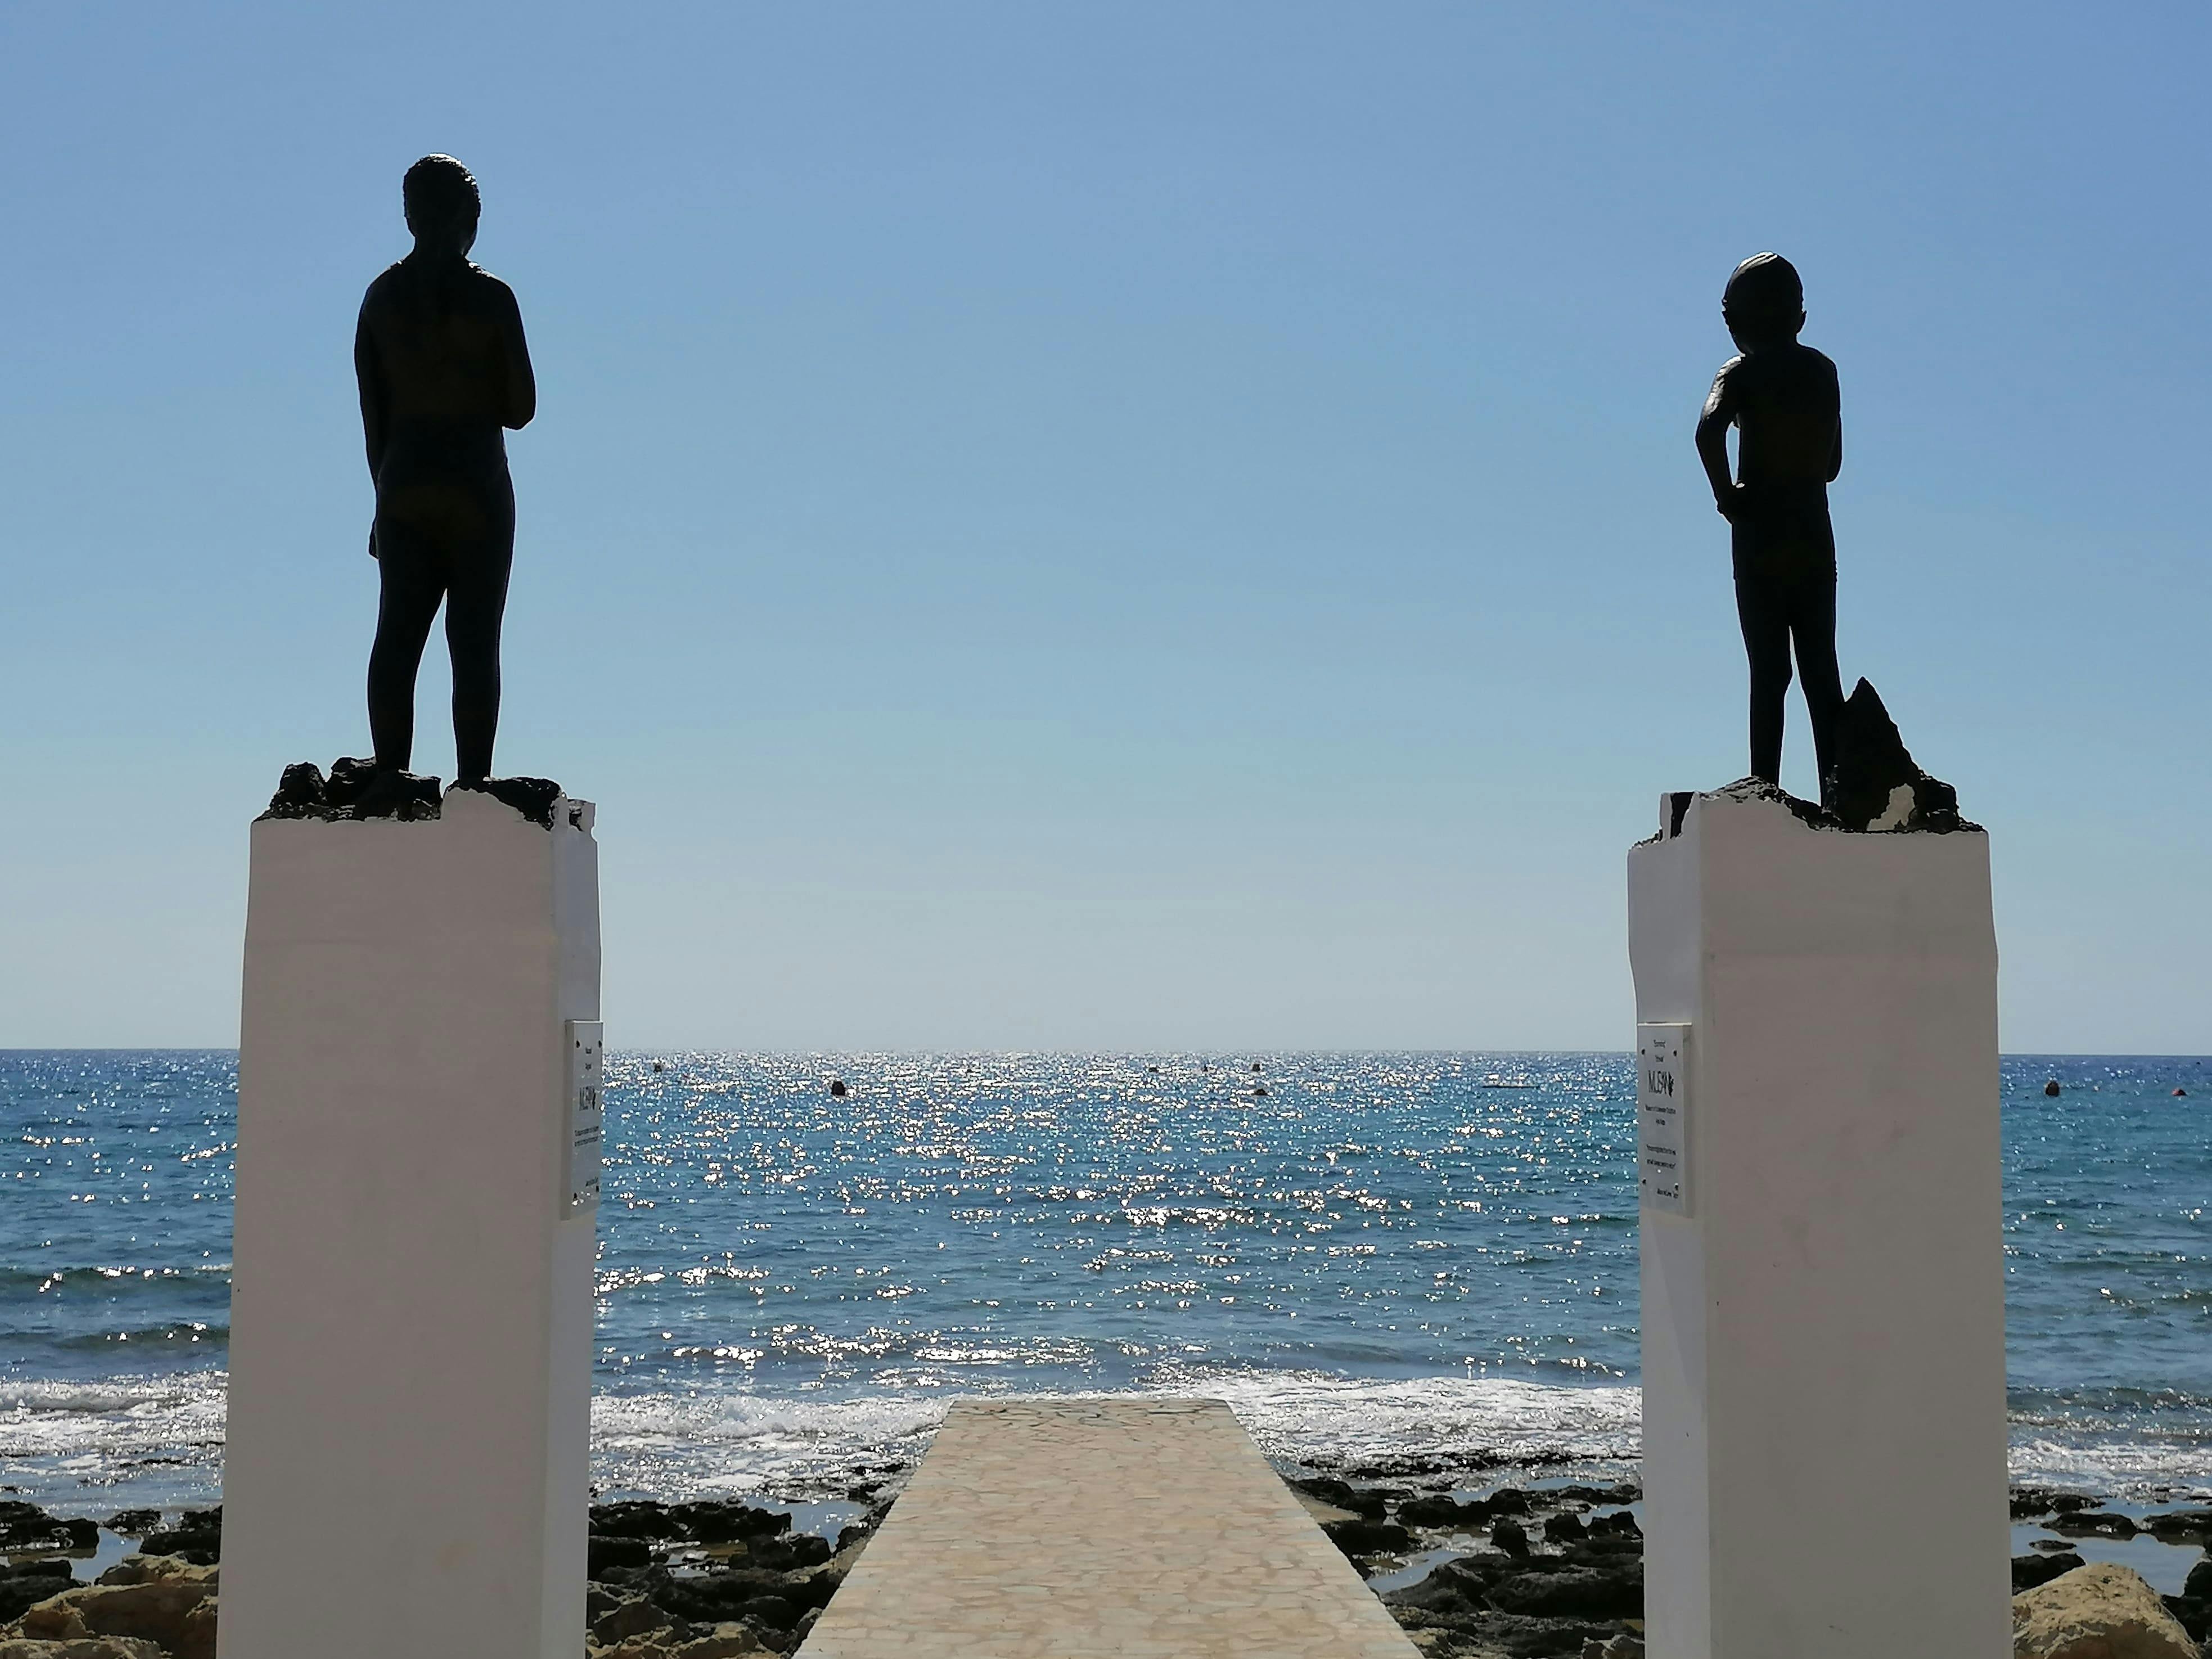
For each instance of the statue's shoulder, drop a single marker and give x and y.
(490, 287)
(380, 286)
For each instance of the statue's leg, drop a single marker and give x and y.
(1813, 624)
(1765, 619)
(411, 585)
(474, 607)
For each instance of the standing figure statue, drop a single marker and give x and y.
(443, 369)
(1782, 398)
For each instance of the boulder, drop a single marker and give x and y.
(798, 1549)
(1440, 1511)
(638, 1520)
(2093, 1523)
(145, 1569)
(2034, 1568)
(133, 1524)
(772, 1611)
(2199, 1585)
(91, 1647)
(1343, 1494)
(1361, 1536)
(1577, 1593)
(2193, 1616)
(1563, 1529)
(723, 1641)
(26, 1527)
(1509, 1535)
(2181, 1526)
(712, 1522)
(2101, 1611)
(1618, 1647)
(602, 1552)
(22, 1591)
(198, 1536)
(154, 1611)
(196, 1640)
(633, 1617)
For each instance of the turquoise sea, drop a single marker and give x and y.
(1382, 1256)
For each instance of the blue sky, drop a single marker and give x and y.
(1149, 525)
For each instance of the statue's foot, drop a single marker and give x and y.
(370, 791)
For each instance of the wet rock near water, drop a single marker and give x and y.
(26, 1527)
(198, 1537)
(1577, 1586)
(697, 1581)
(2035, 1568)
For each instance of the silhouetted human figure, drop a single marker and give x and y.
(443, 368)
(1783, 400)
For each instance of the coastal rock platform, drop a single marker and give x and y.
(1147, 1528)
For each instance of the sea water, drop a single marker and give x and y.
(1374, 1258)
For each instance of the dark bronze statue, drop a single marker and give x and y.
(443, 369)
(1782, 398)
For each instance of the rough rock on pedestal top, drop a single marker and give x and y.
(2100, 1612)
(1875, 783)
(357, 789)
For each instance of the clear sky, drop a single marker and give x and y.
(1129, 525)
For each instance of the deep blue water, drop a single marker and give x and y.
(1385, 1253)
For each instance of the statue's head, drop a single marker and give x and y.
(1764, 300)
(440, 196)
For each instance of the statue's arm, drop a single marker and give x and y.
(369, 375)
(521, 382)
(1712, 442)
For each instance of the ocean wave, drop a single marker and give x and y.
(161, 1438)
(693, 1444)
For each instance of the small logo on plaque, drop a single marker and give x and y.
(1663, 1117)
(579, 1180)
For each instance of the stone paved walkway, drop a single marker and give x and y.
(1083, 1528)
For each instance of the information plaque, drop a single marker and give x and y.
(580, 1183)
(1663, 1117)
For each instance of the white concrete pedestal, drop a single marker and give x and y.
(1823, 1323)
(407, 1460)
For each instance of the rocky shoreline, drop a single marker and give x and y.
(1549, 1568)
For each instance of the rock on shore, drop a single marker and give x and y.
(2101, 1611)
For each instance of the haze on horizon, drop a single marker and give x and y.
(1166, 528)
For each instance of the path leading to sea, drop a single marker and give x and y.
(1069, 1528)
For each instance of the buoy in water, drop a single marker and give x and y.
(1259, 1089)
(2179, 1094)
(837, 1087)
(1256, 1064)
(2052, 1087)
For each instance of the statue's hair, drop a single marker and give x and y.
(1765, 285)
(438, 190)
